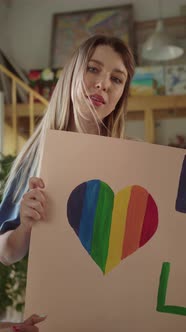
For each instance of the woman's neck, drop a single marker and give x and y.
(89, 126)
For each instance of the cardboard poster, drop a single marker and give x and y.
(111, 254)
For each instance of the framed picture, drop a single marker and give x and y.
(69, 30)
(174, 26)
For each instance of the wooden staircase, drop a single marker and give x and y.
(20, 119)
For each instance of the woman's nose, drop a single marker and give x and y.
(102, 84)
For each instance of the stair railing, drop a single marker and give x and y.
(31, 105)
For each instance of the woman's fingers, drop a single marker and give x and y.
(29, 324)
(37, 206)
(35, 195)
(34, 319)
(33, 203)
(35, 182)
(30, 213)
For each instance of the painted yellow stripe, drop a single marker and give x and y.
(117, 231)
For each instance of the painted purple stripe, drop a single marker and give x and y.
(88, 214)
(181, 196)
(75, 206)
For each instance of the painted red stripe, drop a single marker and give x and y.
(150, 222)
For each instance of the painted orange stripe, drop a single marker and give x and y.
(135, 218)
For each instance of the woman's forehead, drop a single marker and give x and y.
(106, 55)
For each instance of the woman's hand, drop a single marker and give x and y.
(15, 244)
(33, 203)
(29, 324)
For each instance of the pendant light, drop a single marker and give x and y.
(160, 46)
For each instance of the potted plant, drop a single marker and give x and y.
(13, 277)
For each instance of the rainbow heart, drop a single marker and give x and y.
(110, 229)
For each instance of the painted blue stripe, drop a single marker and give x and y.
(88, 214)
(75, 206)
(181, 196)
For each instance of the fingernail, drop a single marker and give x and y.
(43, 315)
(16, 328)
(42, 184)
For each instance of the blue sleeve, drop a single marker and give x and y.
(9, 211)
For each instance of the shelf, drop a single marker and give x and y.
(145, 108)
(138, 103)
(152, 108)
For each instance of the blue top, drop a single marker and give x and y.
(9, 211)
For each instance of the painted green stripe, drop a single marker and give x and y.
(164, 277)
(102, 225)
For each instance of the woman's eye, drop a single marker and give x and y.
(117, 80)
(92, 69)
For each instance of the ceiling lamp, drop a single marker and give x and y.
(160, 46)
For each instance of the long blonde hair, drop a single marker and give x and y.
(64, 103)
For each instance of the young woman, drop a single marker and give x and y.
(90, 97)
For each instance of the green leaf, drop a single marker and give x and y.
(12, 278)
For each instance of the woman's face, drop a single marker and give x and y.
(105, 80)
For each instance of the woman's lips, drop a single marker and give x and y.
(97, 100)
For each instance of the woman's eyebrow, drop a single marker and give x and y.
(114, 70)
(97, 61)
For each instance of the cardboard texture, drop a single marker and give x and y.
(64, 279)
